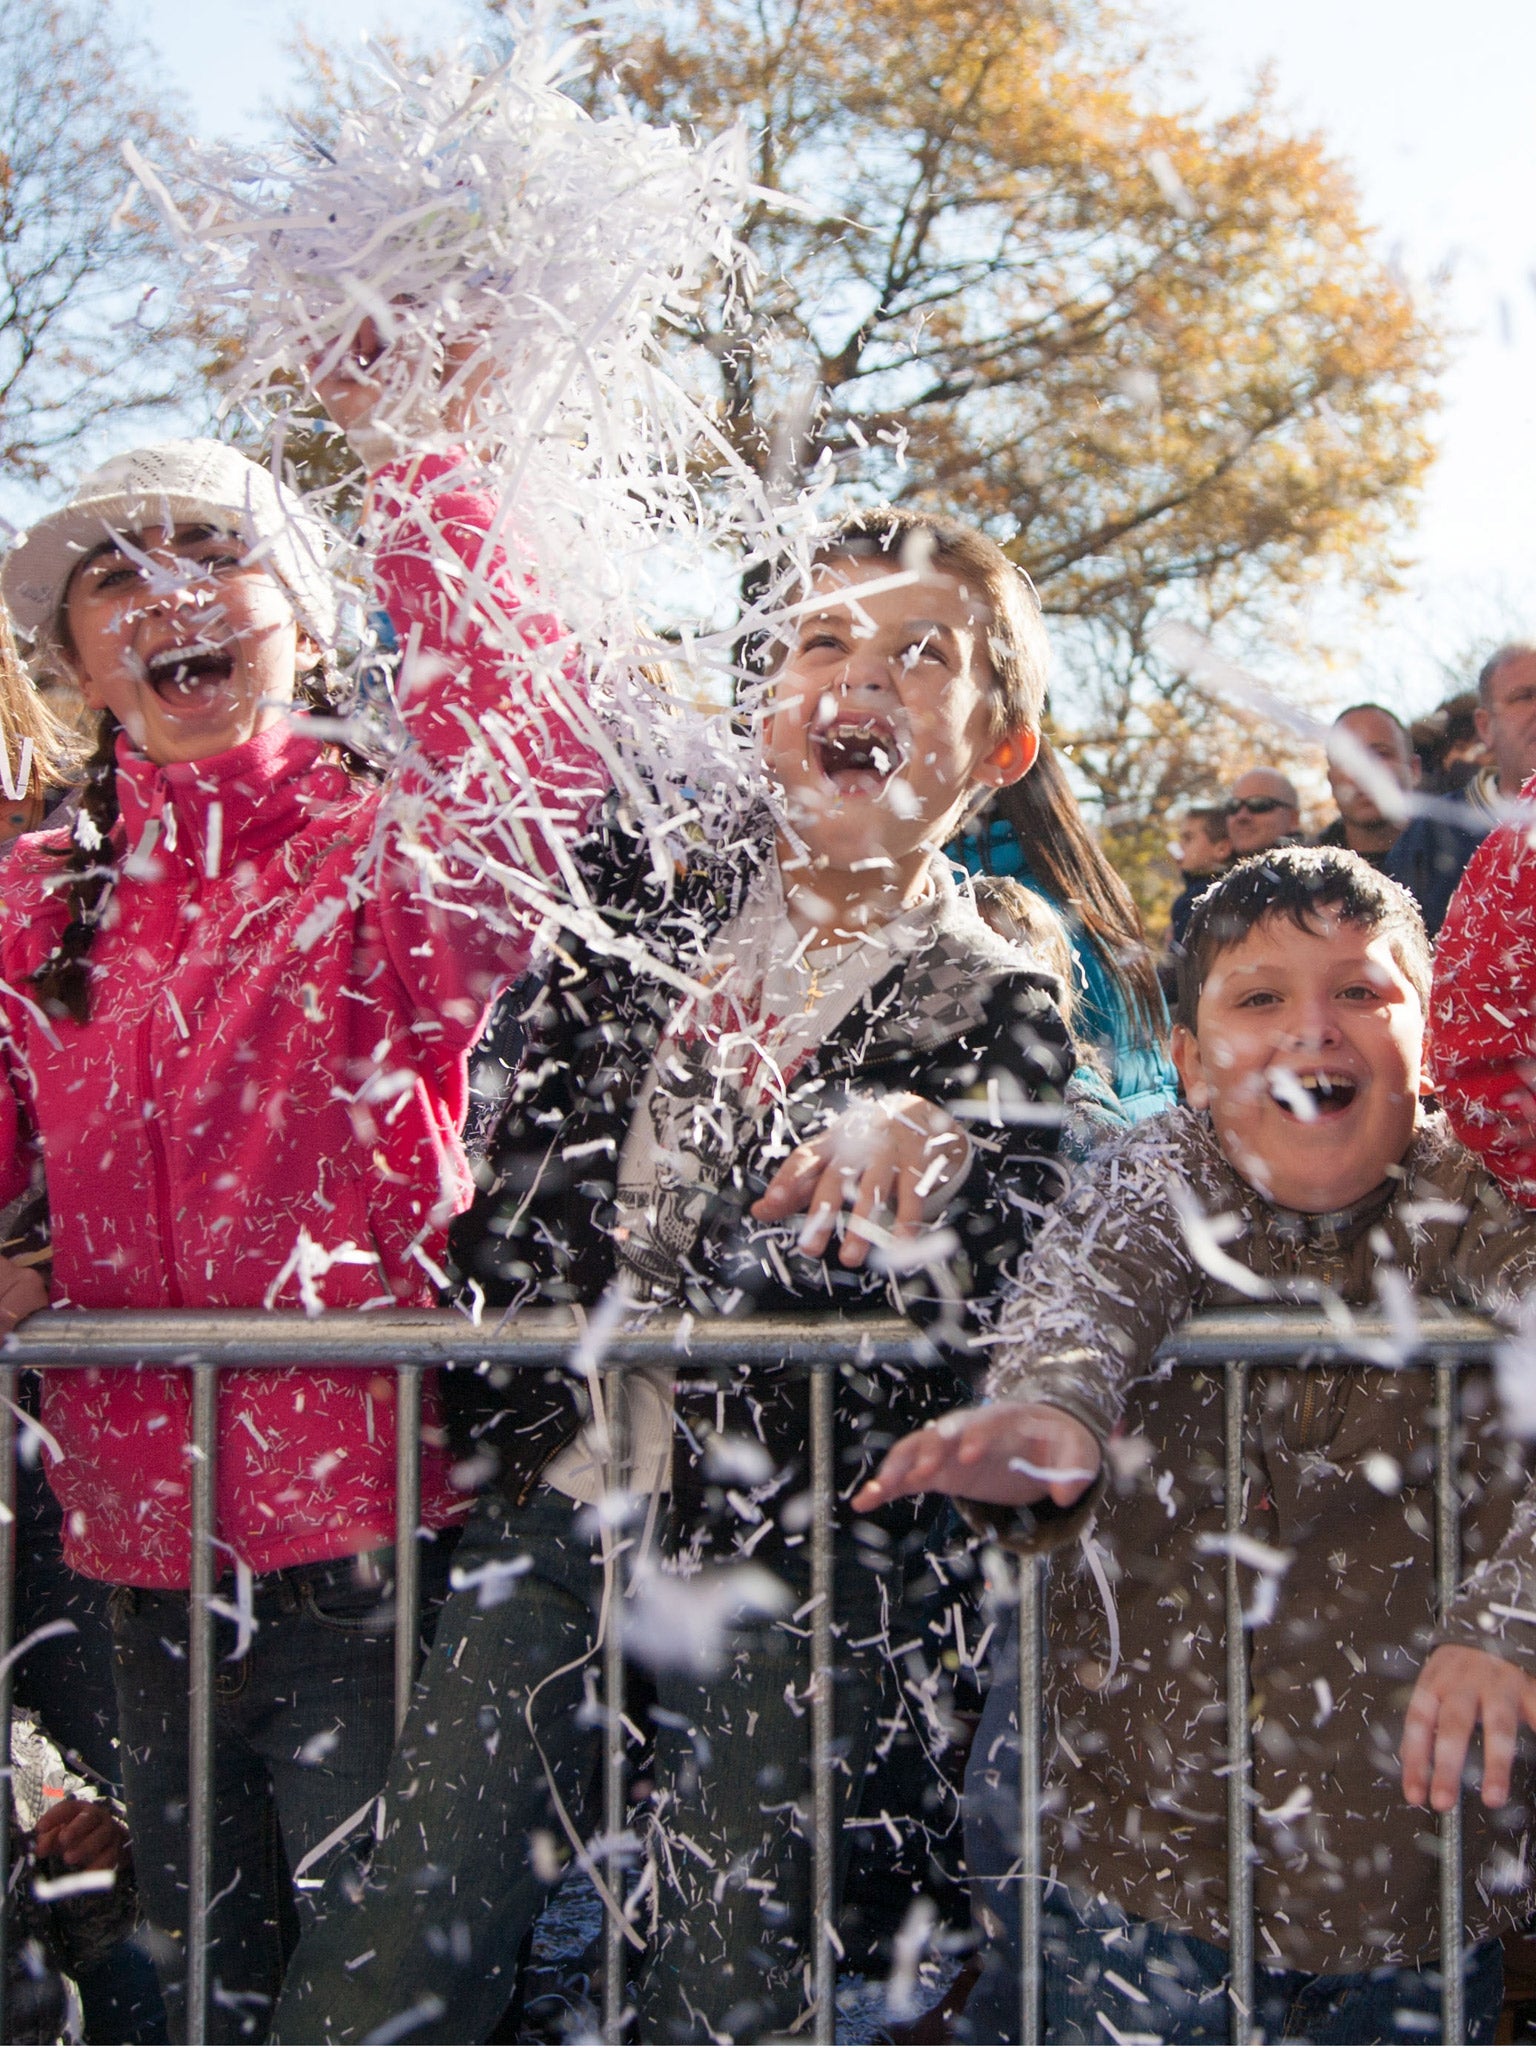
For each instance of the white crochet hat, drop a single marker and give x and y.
(175, 483)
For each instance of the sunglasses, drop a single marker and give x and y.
(1257, 806)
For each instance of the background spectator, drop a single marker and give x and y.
(1262, 811)
(1203, 849)
(1506, 724)
(1430, 856)
(1035, 829)
(1362, 825)
(1448, 745)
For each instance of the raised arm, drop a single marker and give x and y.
(1483, 1010)
(1112, 1271)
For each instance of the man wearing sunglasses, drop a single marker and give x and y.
(1262, 811)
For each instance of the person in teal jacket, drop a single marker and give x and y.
(1036, 832)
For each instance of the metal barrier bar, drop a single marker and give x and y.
(8, 1391)
(204, 1578)
(432, 1337)
(1453, 1997)
(615, 1773)
(407, 1521)
(1031, 1876)
(411, 1341)
(1239, 1729)
(823, 1825)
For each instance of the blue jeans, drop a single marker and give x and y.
(1177, 1983)
(423, 1947)
(303, 1729)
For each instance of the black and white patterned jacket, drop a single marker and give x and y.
(964, 1018)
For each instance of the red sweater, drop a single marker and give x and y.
(1483, 1009)
(264, 1106)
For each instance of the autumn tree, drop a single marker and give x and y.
(88, 330)
(1159, 355)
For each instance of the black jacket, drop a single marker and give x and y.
(963, 1018)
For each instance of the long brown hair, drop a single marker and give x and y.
(25, 714)
(1069, 864)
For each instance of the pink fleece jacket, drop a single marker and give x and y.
(265, 1102)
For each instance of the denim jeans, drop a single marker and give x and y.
(1109, 1978)
(303, 1729)
(505, 1712)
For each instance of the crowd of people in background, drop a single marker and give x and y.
(1463, 763)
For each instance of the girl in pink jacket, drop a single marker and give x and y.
(238, 998)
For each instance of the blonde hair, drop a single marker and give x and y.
(25, 714)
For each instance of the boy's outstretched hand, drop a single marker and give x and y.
(82, 1833)
(1457, 1688)
(898, 1154)
(1014, 1453)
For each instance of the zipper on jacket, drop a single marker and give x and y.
(157, 1152)
(161, 1165)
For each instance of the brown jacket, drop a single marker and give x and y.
(1340, 1478)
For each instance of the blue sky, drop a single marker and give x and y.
(1430, 106)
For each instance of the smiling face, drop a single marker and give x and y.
(882, 721)
(1384, 739)
(1308, 1053)
(1506, 722)
(192, 649)
(1261, 811)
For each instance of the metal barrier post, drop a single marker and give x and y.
(1240, 1981)
(1453, 2014)
(824, 1839)
(1031, 1877)
(407, 1520)
(205, 1414)
(615, 1761)
(8, 1389)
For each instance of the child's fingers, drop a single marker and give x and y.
(22, 1293)
(909, 1203)
(1453, 1738)
(791, 1188)
(903, 1470)
(874, 1194)
(81, 1833)
(822, 1212)
(1419, 1742)
(1501, 1725)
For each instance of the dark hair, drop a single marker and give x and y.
(1377, 711)
(1069, 864)
(1513, 650)
(1296, 883)
(1214, 817)
(63, 982)
(1018, 651)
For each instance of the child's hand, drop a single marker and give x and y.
(1457, 1688)
(356, 389)
(897, 1154)
(1014, 1453)
(83, 1834)
(23, 1292)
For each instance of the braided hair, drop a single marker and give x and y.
(63, 982)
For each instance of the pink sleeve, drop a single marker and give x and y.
(473, 643)
(1483, 1009)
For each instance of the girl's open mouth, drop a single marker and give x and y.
(191, 677)
(859, 757)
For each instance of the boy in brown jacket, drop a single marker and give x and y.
(1302, 1169)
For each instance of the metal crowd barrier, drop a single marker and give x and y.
(409, 1342)
(1235, 1342)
